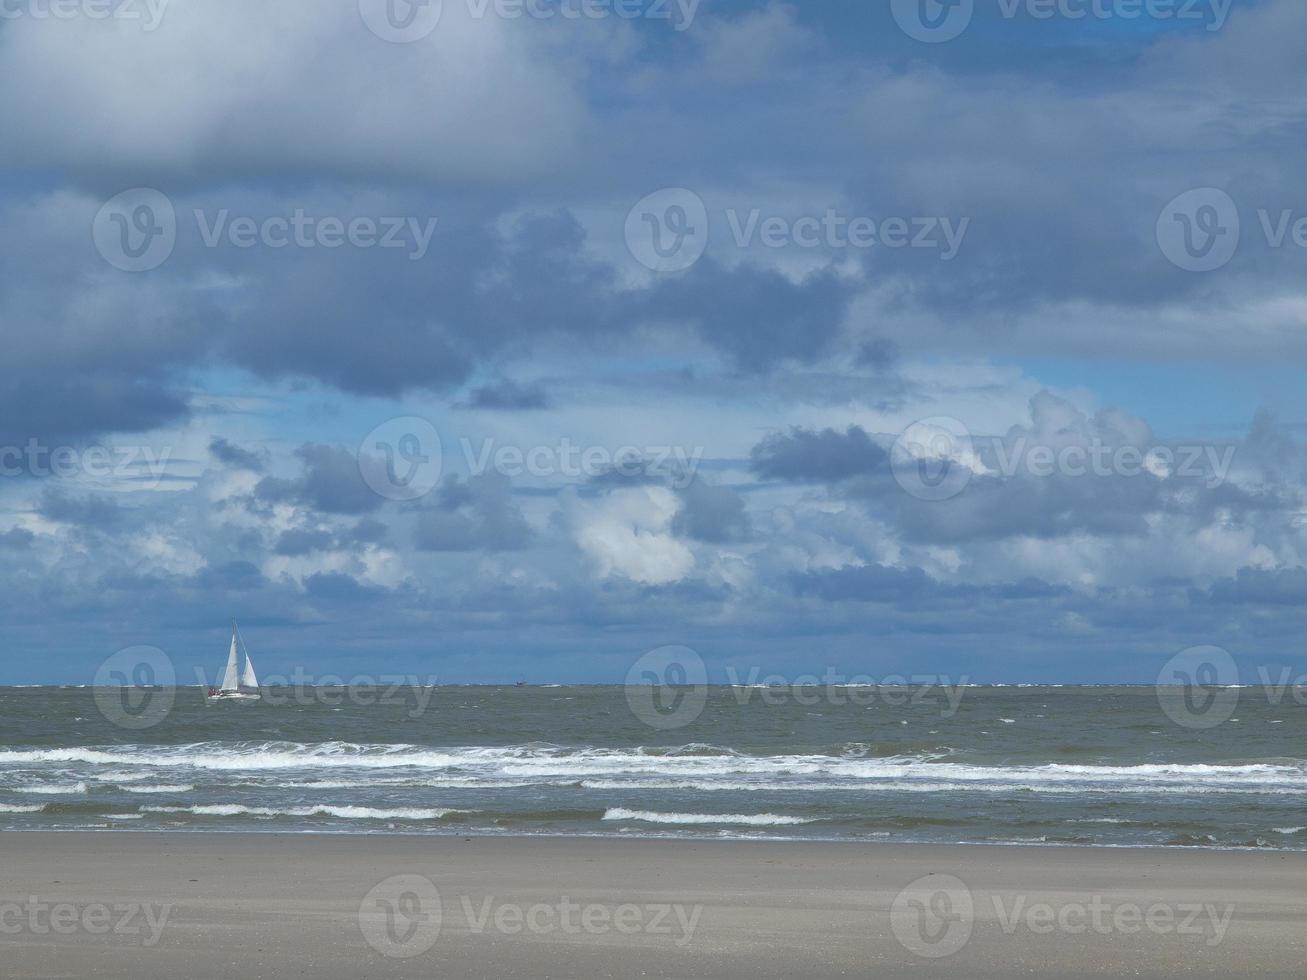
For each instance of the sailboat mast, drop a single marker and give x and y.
(248, 677)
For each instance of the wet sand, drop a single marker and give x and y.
(144, 905)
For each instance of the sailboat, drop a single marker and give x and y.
(237, 685)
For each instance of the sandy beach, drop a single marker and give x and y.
(146, 905)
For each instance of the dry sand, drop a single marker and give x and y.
(270, 905)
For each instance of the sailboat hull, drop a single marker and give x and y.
(234, 696)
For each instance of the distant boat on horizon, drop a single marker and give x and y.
(237, 685)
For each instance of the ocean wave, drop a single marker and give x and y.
(55, 789)
(693, 766)
(742, 819)
(160, 788)
(343, 812)
(21, 807)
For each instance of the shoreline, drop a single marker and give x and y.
(332, 905)
(482, 834)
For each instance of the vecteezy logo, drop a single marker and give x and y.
(933, 21)
(136, 230)
(136, 687)
(1196, 688)
(667, 231)
(401, 21)
(929, 458)
(1199, 230)
(667, 687)
(401, 459)
(400, 918)
(933, 916)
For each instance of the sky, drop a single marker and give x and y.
(490, 340)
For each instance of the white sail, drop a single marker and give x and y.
(229, 682)
(248, 679)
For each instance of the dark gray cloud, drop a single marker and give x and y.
(806, 456)
(757, 316)
(234, 576)
(337, 587)
(711, 513)
(367, 531)
(507, 396)
(1042, 507)
(237, 457)
(473, 515)
(330, 483)
(90, 511)
(878, 354)
(17, 539)
(1260, 587)
(303, 542)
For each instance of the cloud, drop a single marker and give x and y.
(473, 515)
(337, 587)
(878, 354)
(793, 368)
(478, 100)
(232, 455)
(711, 513)
(507, 396)
(628, 533)
(330, 482)
(757, 316)
(92, 512)
(806, 456)
(1260, 587)
(300, 541)
(17, 539)
(235, 576)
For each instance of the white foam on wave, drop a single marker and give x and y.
(160, 788)
(1099, 820)
(743, 819)
(688, 767)
(432, 782)
(56, 789)
(21, 808)
(343, 812)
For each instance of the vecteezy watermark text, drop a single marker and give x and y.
(35, 459)
(936, 915)
(403, 458)
(1201, 230)
(835, 688)
(302, 230)
(139, 920)
(570, 918)
(302, 689)
(407, 21)
(402, 917)
(148, 13)
(667, 687)
(668, 230)
(936, 458)
(137, 230)
(565, 458)
(1201, 687)
(136, 687)
(937, 21)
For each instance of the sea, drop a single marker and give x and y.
(1093, 766)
